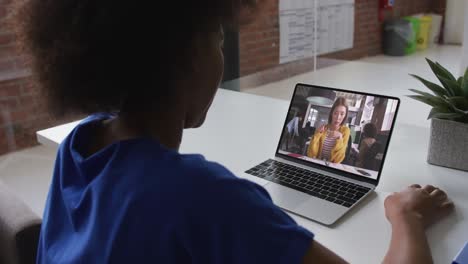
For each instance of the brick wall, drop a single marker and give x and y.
(9, 59)
(259, 41)
(22, 110)
(439, 6)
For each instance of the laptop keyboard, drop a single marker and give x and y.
(318, 185)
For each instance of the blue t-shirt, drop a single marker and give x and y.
(136, 201)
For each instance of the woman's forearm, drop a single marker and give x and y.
(408, 243)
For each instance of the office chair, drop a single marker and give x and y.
(19, 229)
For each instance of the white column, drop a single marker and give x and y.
(464, 60)
(453, 21)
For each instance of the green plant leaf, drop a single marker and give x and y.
(464, 84)
(438, 110)
(421, 93)
(447, 72)
(462, 112)
(435, 88)
(459, 102)
(452, 106)
(449, 116)
(435, 110)
(451, 86)
(440, 70)
(432, 100)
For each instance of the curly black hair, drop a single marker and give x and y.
(369, 130)
(104, 55)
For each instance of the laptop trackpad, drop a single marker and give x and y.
(285, 197)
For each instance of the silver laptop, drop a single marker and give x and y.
(331, 151)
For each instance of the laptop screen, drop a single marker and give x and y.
(344, 130)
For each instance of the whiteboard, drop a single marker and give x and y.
(333, 21)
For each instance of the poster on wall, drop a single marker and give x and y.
(333, 21)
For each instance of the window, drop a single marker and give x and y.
(389, 115)
(312, 117)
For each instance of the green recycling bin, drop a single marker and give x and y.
(415, 25)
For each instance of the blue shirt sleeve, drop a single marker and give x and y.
(241, 225)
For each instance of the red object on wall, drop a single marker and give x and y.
(385, 5)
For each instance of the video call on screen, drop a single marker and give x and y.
(342, 130)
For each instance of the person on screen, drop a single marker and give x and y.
(369, 147)
(293, 125)
(331, 141)
(293, 132)
(121, 191)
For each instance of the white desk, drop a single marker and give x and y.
(242, 130)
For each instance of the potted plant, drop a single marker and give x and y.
(448, 144)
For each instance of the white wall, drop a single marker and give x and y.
(454, 19)
(464, 60)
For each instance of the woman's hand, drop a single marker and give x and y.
(322, 128)
(336, 134)
(424, 205)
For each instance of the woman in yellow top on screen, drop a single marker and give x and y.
(330, 141)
